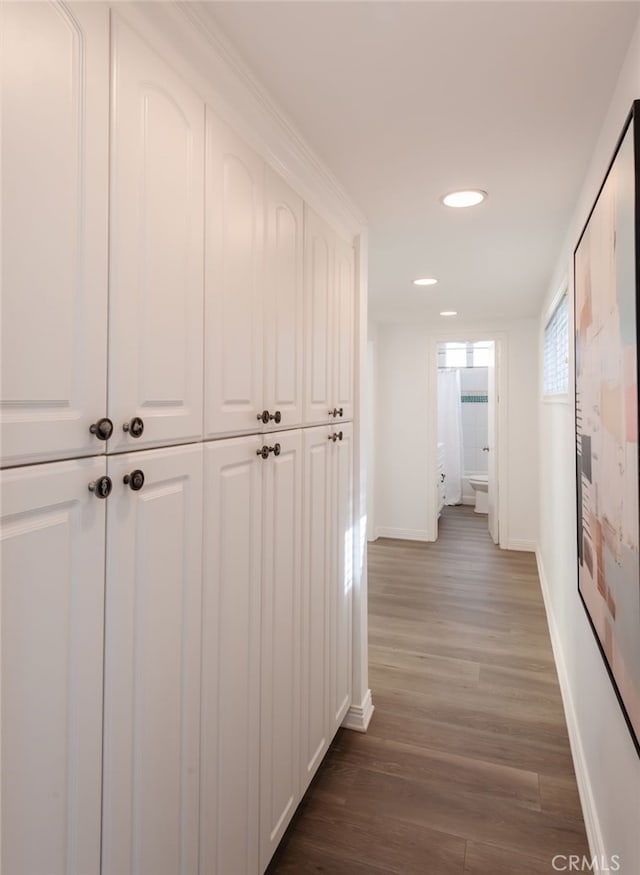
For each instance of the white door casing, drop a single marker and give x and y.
(492, 460)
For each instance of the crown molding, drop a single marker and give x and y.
(227, 84)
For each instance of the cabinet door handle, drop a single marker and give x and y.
(442, 478)
(336, 436)
(134, 427)
(101, 487)
(265, 417)
(135, 480)
(337, 411)
(102, 429)
(265, 450)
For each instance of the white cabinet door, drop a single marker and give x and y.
(156, 249)
(231, 657)
(342, 578)
(318, 292)
(280, 784)
(152, 663)
(283, 304)
(52, 624)
(234, 282)
(55, 109)
(343, 330)
(316, 598)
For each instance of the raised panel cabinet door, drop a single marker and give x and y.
(317, 571)
(280, 778)
(318, 327)
(343, 329)
(51, 609)
(283, 304)
(156, 289)
(55, 164)
(234, 281)
(152, 663)
(229, 798)
(341, 608)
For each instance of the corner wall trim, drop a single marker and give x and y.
(524, 545)
(402, 534)
(358, 717)
(587, 799)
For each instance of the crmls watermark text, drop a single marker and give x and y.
(574, 863)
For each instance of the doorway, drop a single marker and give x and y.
(467, 443)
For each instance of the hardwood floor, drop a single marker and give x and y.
(466, 765)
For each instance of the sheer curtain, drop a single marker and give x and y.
(450, 432)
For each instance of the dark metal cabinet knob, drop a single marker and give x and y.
(265, 417)
(340, 435)
(135, 480)
(265, 450)
(336, 436)
(102, 429)
(101, 487)
(134, 427)
(337, 411)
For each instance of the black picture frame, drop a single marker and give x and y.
(606, 316)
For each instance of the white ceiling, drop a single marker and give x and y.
(405, 101)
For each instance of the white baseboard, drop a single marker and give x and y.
(403, 534)
(521, 544)
(587, 799)
(359, 716)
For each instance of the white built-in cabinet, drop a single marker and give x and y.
(251, 779)
(254, 306)
(52, 620)
(177, 499)
(327, 577)
(156, 282)
(152, 662)
(329, 323)
(55, 177)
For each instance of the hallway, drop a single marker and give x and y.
(466, 767)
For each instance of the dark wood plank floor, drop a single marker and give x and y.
(466, 766)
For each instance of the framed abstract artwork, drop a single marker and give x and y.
(607, 312)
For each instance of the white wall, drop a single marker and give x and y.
(405, 407)
(607, 764)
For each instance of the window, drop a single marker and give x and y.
(456, 355)
(555, 367)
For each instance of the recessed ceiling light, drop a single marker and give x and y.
(449, 313)
(467, 198)
(425, 281)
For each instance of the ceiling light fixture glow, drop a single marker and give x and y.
(449, 313)
(425, 281)
(467, 198)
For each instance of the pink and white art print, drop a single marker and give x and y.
(607, 292)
